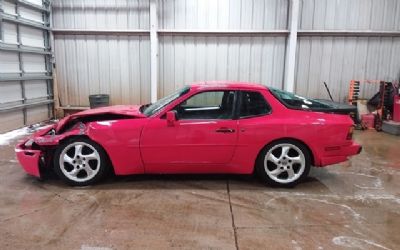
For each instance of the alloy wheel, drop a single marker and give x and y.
(79, 161)
(284, 163)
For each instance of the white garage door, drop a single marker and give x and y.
(26, 94)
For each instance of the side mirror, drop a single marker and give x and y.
(171, 118)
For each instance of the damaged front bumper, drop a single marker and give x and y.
(29, 159)
(32, 158)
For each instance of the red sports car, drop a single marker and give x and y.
(212, 127)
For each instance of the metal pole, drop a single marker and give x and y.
(21, 67)
(1, 21)
(153, 51)
(290, 60)
(48, 64)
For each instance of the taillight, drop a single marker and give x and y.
(350, 133)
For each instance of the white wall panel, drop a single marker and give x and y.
(186, 59)
(101, 14)
(223, 14)
(341, 59)
(350, 15)
(115, 65)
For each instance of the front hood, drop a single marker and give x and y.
(128, 110)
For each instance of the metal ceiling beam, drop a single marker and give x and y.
(351, 33)
(99, 32)
(170, 32)
(225, 32)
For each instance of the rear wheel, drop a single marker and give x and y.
(283, 163)
(80, 162)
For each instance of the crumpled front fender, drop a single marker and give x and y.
(53, 139)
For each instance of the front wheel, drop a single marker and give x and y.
(80, 162)
(283, 163)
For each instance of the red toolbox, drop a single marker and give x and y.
(368, 121)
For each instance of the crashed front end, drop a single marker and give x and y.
(30, 154)
(35, 153)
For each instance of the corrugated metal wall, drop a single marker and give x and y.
(120, 64)
(337, 60)
(223, 14)
(94, 64)
(25, 68)
(185, 59)
(350, 15)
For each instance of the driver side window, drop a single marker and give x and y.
(207, 105)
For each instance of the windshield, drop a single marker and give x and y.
(153, 108)
(295, 101)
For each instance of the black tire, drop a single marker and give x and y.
(267, 178)
(100, 166)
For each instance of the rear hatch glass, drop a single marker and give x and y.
(294, 101)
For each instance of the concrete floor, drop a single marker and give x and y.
(355, 204)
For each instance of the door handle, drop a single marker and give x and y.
(225, 130)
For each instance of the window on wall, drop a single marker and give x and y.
(253, 104)
(207, 105)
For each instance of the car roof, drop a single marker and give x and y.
(227, 84)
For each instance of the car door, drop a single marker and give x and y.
(257, 127)
(204, 135)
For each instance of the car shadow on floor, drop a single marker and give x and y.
(182, 181)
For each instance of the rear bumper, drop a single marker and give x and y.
(29, 159)
(333, 155)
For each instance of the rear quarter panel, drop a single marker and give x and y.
(316, 130)
(319, 131)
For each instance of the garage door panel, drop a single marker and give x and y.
(21, 97)
(11, 120)
(37, 114)
(10, 33)
(33, 63)
(9, 8)
(9, 62)
(10, 92)
(30, 14)
(36, 89)
(32, 37)
(36, 2)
